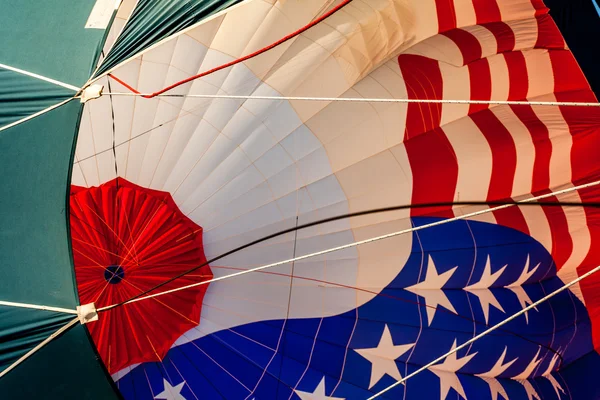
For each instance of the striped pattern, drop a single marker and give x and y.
(513, 52)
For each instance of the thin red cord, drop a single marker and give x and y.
(239, 60)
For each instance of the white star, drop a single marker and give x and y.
(555, 385)
(481, 289)
(446, 371)
(431, 289)
(517, 287)
(499, 367)
(383, 357)
(496, 387)
(318, 394)
(531, 393)
(548, 375)
(522, 377)
(171, 392)
(530, 368)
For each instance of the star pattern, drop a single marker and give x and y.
(490, 376)
(519, 291)
(383, 357)
(431, 289)
(446, 372)
(171, 392)
(482, 291)
(317, 394)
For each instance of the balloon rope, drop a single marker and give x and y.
(487, 331)
(502, 205)
(39, 346)
(37, 307)
(365, 100)
(241, 59)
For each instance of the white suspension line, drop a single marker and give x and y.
(361, 242)
(40, 77)
(37, 114)
(367, 100)
(39, 346)
(37, 307)
(487, 331)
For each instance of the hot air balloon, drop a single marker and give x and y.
(282, 199)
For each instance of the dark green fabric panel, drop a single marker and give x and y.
(22, 95)
(49, 38)
(66, 368)
(35, 262)
(154, 20)
(22, 329)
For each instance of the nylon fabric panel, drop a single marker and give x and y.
(23, 329)
(22, 96)
(154, 20)
(66, 368)
(35, 258)
(49, 38)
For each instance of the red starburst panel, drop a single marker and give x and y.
(127, 239)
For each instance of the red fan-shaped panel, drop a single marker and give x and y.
(127, 239)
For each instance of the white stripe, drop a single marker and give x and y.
(40, 77)
(456, 85)
(499, 77)
(465, 13)
(438, 47)
(515, 9)
(524, 148)
(486, 39)
(358, 243)
(474, 158)
(540, 74)
(526, 33)
(582, 240)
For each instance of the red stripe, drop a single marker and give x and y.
(543, 147)
(486, 11)
(435, 171)
(467, 43)
(540, 7)
(590, 287)
(431, 157)
(562, 243)
(446, 14)
(481, 84)
(549, 36)
(505, 37)
(504, 166)
(242, 59)
(423, 80)
(504, 154)
(517, 75)
(584, 126)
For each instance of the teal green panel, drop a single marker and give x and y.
(22, 95)
(22, 329)
(66, 368)
(35, 262)
(154, 20)
(49, 38)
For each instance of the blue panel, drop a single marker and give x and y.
(287, 359)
